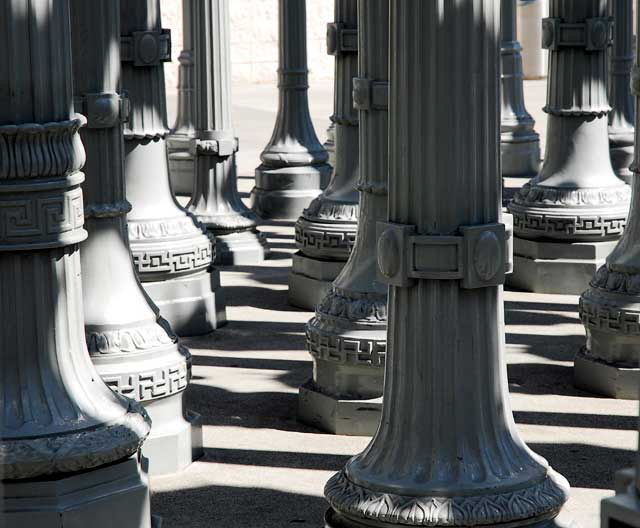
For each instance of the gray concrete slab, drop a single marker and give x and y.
(261, 467)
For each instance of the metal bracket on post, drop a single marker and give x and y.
(477, 257)
(340, 39)
(103, 110)
(146, 48)
(370, 95)
(220, 147)
(594, 34)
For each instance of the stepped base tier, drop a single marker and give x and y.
(311, 279)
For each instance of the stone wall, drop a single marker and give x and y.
(254, 39)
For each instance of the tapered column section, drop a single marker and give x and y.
(133, 348)
(326, 231)
(171, 250)
(68, 444)
(609, 309)
(447, 452)
(181, 164)
(622, 115)
(215, 201)
(569, 217)
(347, 337)
(294, 167)
(519, 142)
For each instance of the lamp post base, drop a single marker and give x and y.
(113, 495)
(243, 248)
(520, 159)
(556, 267)
(311, 279)
(598, 377)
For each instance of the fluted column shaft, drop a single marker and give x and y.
(325, 232)
(622, 115)
(447, 452)
(576, 197)
(215, 201)
(171, 251)
(347, 336)
(519, 142)
(294, 166)
(58, 417)
(181, 163)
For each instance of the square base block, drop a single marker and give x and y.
(556, 267)
(608, 380)
(193, 305)
(175, 441)
(311, 279)
(243, 248)
(620, 511)
(113, 495)
(337, 416)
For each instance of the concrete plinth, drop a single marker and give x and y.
(113, 495)
(556, 267)
(283, 193)
(520, 159)
(193, 305)
(241, 248)
(336, 415)
(311, 279)
(613, 381)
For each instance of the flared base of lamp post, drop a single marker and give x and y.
(556, 267)
(311, 279)
(112, 495)
(621, 151)
(175, 441)
(283, 193)
(520, 158)
(241, 248)
(622, 510)
(182, 165)
(340, 416)
(598, 377)
(193, 305)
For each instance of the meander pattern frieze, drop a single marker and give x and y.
(172, 261)
(566, 225)
(538, 500)
(77, 451)
(609, 319)
(151, 384)
(325, 236)
(34, 150)
(128, 340)
(346, 350)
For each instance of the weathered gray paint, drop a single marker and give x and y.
(347, 336)
(447, 452)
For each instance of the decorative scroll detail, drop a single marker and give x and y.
(347, 350)
(368, 308)
(174, 227)
(323, 209)
(35, 150)
(228, 222)
(540, 196)
(128, 340)
(172, 260)
(111, 210)
(152, 384)
(541, 499)
(380, 189)
(77, 451)
(616, 281)
(43, 219)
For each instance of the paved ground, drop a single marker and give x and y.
(263, 469)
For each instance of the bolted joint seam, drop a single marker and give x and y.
(103, 110)
(146, 48)
(370, 95)
(340, 39)
(478, 257)
(594, 34)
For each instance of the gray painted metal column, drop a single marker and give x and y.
(447, 452)
(181, 164)
(294, 167)
(68, 444)
(569, 217)
(622, 115)
(326, 231)
(133, 348)
(347, 337)
(215, 201)
(519, 142)
(171, 250)
(610, 310)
